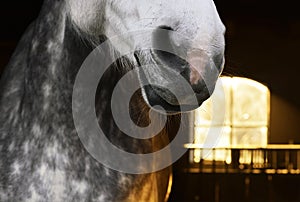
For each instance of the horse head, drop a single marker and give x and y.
(191, 31)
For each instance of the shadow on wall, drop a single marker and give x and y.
(285, 121)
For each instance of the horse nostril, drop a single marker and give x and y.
(166, 27)
(165, 48)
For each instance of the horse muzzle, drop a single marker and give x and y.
(199, 68)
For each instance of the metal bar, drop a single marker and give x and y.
(214, 160)
(287, 160)
(269, 147)
(274, 159)
(269, 161)
(298, 159)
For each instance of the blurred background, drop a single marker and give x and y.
(263, 40)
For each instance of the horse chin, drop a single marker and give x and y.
(157, 103)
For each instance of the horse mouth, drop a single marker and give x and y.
(158, 97)
(156, 101)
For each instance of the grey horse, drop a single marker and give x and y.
(42, 157)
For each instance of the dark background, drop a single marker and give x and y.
(263, 40)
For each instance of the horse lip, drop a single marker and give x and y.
(170, 108)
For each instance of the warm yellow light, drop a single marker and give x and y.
(213, 137)
(250, 101)
(249, 136)
(236, 115)
(216, 110)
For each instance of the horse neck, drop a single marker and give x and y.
(36, 86)
(50, 55)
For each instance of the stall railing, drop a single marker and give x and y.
(272, 159)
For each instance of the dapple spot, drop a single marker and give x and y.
(42, 170)
(34, 196)
(47, 90)
(26, 147)
(11, 147)
(35, 44)
(16, 168)
(80, 186)
(102, 198)
(36, 129)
